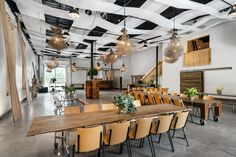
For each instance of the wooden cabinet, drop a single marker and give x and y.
(92, 89)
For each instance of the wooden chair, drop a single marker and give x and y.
(71, 110)
(108, 107)
(117, 133)
(151, 100)
(179, 122)
(157, 99)
(210, 107)
(137, 103)
(91, 108)
(142, 130)
(88, 140)
(183, 95)
(162, 125)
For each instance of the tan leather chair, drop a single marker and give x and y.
(178, 102)
(117, 133)
(151, 100)
(71, 110)
(183, 95)
(142, 99)
(162, 125)
(166, 100)
(137, 103)
(108, 107)
(210, 107)
(136, 96)
(157, 99)
(174, 94)
(179, 122)
(91, 108)
(88, 139)
(141, 130)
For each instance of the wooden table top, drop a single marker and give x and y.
(47, 124)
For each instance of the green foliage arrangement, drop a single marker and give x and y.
(191, 92)
(92, 72)
(70, 89)
(125, 103)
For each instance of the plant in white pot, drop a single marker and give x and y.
(125, 103)
(70, 90)
(219, 90)
(191, 92)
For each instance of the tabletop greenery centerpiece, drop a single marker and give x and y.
(70, 90)
(125, 103)
(219, 90)
(191, 92)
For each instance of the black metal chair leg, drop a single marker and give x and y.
(159, 140)
(73, 151)
(99, 153)
(140, 143)
(129, 148)
(185, 136)
(103, 151)
(154, 153)
(143, 142)
(173, 135)
(150, 145)
(171, 142)
(121, 148)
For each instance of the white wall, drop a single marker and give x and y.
(5, 105)
(222, 44)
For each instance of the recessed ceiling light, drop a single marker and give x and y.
(74, 13)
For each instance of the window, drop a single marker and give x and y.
(58, 73)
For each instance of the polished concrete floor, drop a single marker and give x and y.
(212, 140)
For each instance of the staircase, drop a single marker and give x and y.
(151, 75)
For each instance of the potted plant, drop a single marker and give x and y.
(125, 103)
(219, 90)
(191, 92)
(70, 90)
(53, 80)
(92, 72)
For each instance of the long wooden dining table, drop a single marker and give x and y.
(49, 124)
(203, 105)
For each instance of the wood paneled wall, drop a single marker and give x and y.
(196, 58)
(192, 79)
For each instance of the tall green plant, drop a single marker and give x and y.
(92, 72)
(125, 103)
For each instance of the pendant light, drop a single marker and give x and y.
(74, 13)
(98, 66)
(174, 48)
(48, 70)
(73, 66)
(53, 63)
(124, 44)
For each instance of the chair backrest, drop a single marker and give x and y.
(174, 94)
(71, 110)
(180, 120)
(151, 99)
(183, 95)
(108, 107)
(136, 96)
(143, 126)
(165, 93)
(91, 108)
(178, 102)
(163, 124)
(137, 103)
(142, 98)
(210, 98)
(166, 100)
(117, 132)
(88, 139)
(157, 99)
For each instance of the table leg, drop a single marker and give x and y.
(233, 107)
(204, 113)
(218, 111)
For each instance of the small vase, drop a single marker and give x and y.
(219, 92)
(192, 98)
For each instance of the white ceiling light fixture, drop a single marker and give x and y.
(74, 13)
(124, 44)
(122, 68)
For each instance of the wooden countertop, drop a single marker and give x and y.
(47, 124)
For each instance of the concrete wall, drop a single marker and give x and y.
(222, 44)
(5, 105)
